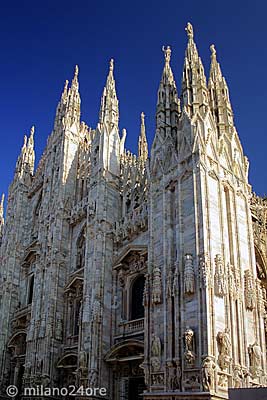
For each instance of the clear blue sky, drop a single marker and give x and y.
(40, 43)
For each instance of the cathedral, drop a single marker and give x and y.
(142, 274)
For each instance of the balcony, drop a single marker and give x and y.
(127, 328)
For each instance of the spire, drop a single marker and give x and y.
(109, 109)
(194, 87)
(25, 161)
(167, 93)
(30, 151)
(69, 107)
(2, 207)
(142, 142)
(2, 221)
(219, 95)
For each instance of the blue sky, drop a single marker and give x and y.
(41, 42)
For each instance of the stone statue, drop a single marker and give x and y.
(93, 375)
(189, 30)
(224, 347)
(208, 372)
(83, 360)
(238, 377)
(189, 354)
(255, 355)
(249, 290)
(172, 376)
(220, 285)
(156, 288)
(155, 353)
(155, 346)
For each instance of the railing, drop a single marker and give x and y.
(130, 327)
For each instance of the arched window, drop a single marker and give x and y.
(80, 259)
(137, 307)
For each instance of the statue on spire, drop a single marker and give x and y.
(111, 65)
(213, 51)
(189, 30)
(167, 53)
(142, 118)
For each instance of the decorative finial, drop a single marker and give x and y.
(213, 51)
(189, 30)
(66, 86)
(142, 118)
(167, 53)
(25, 141)
(32, 131)
(111, 65)
(2, 200)
(76, 71)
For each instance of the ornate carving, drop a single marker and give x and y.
(238, 377)
(189, 275)
(255, 355)
(146, 291)
(204, 269)
(208, 374)
(156, 289)
(157, 379)
(189, 355)
(224, 348)
(220, 285)
(249, 290)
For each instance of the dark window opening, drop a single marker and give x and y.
(137, 307)
(30, 290)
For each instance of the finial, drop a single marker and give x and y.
(189, 30)
(66, 86)
(111, 65)
(167, 53)
(213, 51)
(32, 131)
(25, 141)
(2, 201)
(76, 71)
(142, 118)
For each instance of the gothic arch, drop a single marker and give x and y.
(130, 346)
(66, 361)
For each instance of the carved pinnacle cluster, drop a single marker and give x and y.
(69, 107)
